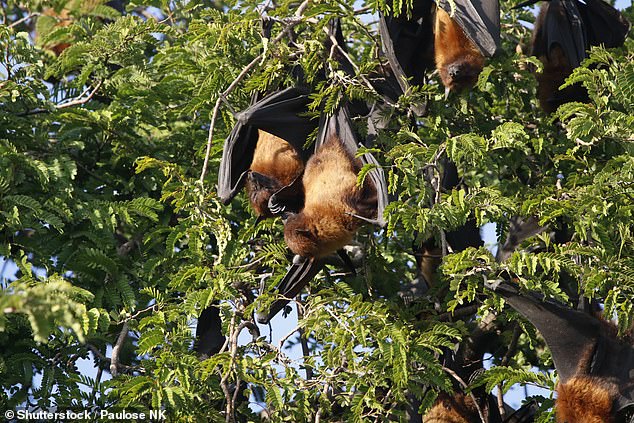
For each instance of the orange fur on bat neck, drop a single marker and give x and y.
(457, 408)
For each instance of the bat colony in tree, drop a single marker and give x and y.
(314, 189)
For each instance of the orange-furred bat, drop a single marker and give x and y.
(457, 58)
(456, 408)
(333, 203)
(452, 35)
(595, 368)
(275, 164)
(266, 150)
(334, 206)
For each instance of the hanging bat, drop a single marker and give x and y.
(334, 206)
(266, 150)
(563, 33)
(276, 164)
(209, 337)
(466, 362)
(435, 36)
(595, 368)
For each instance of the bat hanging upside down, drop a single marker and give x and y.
(458, 60)
(595, 368)
(275, 164)
(334, 206)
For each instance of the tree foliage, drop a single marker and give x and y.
(104, 212)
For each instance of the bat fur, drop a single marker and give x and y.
(326, 223)
(457, 408)
(458, 60)
(275, 164)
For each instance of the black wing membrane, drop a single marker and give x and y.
(569, 334)
(575, 26)
(479, 19)
(280, 114)
(296, 278)
(408, 43)
(563, 26)
(525, 414)
(604, 24)
(209, 337)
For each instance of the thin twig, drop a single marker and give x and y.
(288, 335)
(356, 68)
(79, 100)
(116, 350)
(510, 352)
(26, 18)
(222, 96)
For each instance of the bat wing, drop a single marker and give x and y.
(604, 24)
(525, 414)
(209, 337)
(564, 26)
(408, 44)
(568, 333)
(479, 19)
(339, 124)
(281, 114)
(296, 278)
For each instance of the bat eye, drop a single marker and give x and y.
(304, 232)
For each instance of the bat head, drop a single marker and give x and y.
(584, 399)
(259, 189)
(458, 59)
(301, 236)
(456, 408)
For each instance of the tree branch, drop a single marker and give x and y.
(116, 350)
(520, 229)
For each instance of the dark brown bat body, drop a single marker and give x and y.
(557, 66)
(275, 164)
(458, 59)
(332, 197)
(564, 32)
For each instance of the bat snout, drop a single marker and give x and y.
(462, 74)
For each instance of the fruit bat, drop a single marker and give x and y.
(209, 337)
(276, 164)
(334, 205)
(596, 370)
(564, 31)
(455, 43)
(266, 149)
(467, 362)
